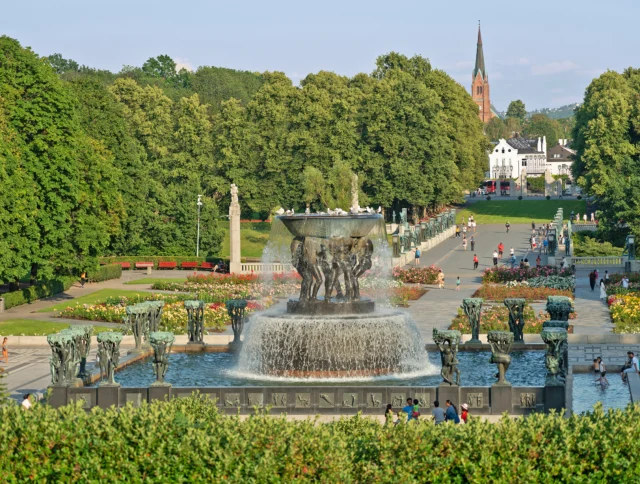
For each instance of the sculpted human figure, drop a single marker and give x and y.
(234, 193)
(500, 342)
(447, 342)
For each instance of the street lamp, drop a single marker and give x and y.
(198, 236)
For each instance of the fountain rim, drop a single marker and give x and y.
(316, 216)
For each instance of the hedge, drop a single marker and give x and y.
(156, 258)
(188, 440)
(104, 273)
(38, 291)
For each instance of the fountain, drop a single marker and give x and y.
(334, 333)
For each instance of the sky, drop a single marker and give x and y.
(544, 53)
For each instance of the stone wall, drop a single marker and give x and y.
(339, 400)
(408, 257)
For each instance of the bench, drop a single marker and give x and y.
(207, 266)
(124, 265)
(167, 265)
(189, 265)
(144, 265)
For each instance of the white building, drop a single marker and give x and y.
(509, 157)
(560, 158)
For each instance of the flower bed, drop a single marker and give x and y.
(220, 292)
(499, 292)
(625, 313)
(416, 275)
(506, 274)
(496, 317)
(174, 316)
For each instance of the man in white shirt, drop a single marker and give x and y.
(495, 258)
(634, 368)
(512, 252)
(26, 403)
(625, 282)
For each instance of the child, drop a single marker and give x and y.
(416, 409)
(458, 283)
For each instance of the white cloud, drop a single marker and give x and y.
(183, 64)
(552, 68)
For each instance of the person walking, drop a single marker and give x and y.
(464, 243)
(441, 279)
(596, 273)
(625, 282)
(464, 230)
(500, 250)
(507, 225)
(464, 416)
(438, 413)
(5, 350)
(512, 261)
(495, 258)
(473, 244)
(451, 414)
(475, 261)
(83, 278)
(603, 291)
(603, 370)
(584, 217)
(512, 252)
(538, 262)
(458, 283)
(457, 231)
(593, 217)
(606, 278)
(474, 226)
(417, 257)
(592, 280)
(545, 245)
(533, 225)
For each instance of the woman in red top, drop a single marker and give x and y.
(500, 250)
(475, 262)
(465, 412)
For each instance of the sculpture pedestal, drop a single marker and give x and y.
(448, 392)
(194, 347)
(501, 399)
(108, 395)
(554, 397)
(159, 392)
(58, 396)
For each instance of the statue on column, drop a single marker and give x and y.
(447, 342)
(234, 193)
(473, 309)
(500, 342)
(516, 317)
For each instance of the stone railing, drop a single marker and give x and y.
(258, 267)
(586, 226)
(597, 261)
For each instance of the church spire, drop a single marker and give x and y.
(479, 58)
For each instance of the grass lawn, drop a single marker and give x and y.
(253, 238)
(32, 327)
(93, 298)
(519, 211)
(153, 280)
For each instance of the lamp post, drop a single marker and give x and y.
(198, 236)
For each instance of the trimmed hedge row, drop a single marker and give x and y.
(188, 440)
(155, 259)
(105, 273)
(38, 291)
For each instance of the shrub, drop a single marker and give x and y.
(548, 197)
(155, 259)
(506, 274)
(416, 275)
(189, 440)
(488, 197)
(496, 317)
(585, 245)
(519, 197)
(579, 197)
(495, 292)
(38, 291)
(553, 282)
(625, 313)
(105, 273)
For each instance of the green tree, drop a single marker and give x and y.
(517, 110)
(540, 125)
(161, 66)
(62, 65)
(496, 129)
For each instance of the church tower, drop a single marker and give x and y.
(480, 84)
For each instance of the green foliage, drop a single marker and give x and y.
(586, 245)
(155, 259)
(187, 439)
(4, 394)
(540, 125)
(38, 291)
(497, 129)
(535, 184)
(517, 110)
(607, 145)
(105, 273)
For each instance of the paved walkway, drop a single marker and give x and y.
(593, 313)
(438, 307)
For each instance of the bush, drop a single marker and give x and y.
(105, 273)
(189, 440)
(488, 197)
(500, 292)
(416, 275)
(506, 274)
(38, 291)
(579, 197)
(625, 313)
(585, 245)
(519, 197)
(548, 197)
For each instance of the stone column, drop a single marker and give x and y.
(195, 321)
(473, 309)
(236, 310)
(83, 350)
(75, 356)
(554, 388)
(565, 349)
(155, 315)
(161, 342)
(516, 317)
(448, 342)
(138, 322)
(501, 399)
(559, 308)
(235, 266)
(109, 355)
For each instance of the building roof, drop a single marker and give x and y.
(524, 145)
(479, 58)
(566, 153)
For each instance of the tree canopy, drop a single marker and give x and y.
(517, 110)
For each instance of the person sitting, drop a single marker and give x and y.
(633, 366)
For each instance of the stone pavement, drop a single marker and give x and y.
(593, 314)
(438, 307)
